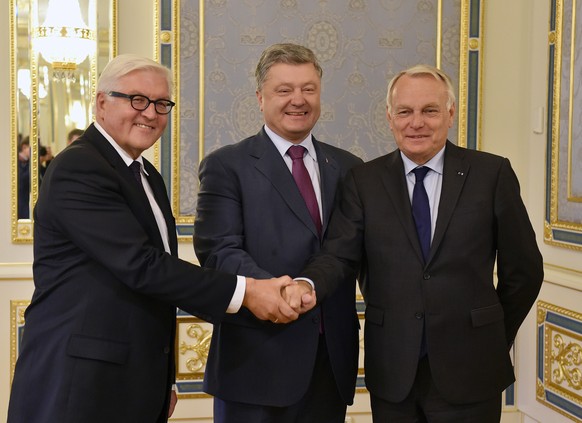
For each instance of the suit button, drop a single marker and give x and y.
(166, 350)
(426, 276)
(419, 315)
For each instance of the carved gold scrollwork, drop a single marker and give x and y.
(568, 358)
(198, 348)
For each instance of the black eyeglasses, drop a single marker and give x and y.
(141, 102)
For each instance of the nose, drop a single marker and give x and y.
(297, 99)
(150, 111)
(417, 120)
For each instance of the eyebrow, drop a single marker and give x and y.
(405, 106)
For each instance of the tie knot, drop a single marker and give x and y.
(420, 173)
(136, 169)
(296, 152)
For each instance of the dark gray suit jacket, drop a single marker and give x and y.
(470, 323)
(98, 345)
(252, 220)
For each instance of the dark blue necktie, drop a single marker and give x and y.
(421, 210)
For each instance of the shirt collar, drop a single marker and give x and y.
(127, 159)
(436, 163)
(283, 145)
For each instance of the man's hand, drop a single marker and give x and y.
(263, 298)
(300, 296)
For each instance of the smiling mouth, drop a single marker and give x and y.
(296, 113)
(141, 125)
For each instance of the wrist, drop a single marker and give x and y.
(249, 286)
(305, 284)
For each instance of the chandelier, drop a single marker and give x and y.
(63, 39)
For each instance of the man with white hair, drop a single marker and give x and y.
(426, 224)
(98, 345)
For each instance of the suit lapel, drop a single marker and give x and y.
(394, 181)
(270, 163)
(329, 173)
(160, 194)
(136, 197)
(455, 172)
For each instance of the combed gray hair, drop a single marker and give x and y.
(124, 64)
(291, 54)
(422, 70)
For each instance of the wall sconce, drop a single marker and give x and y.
(64, 39)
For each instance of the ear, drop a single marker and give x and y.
(100, 102)
(452, 115)
(260, 99)
(389, 118)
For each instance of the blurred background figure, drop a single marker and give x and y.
(23, 175)
(73, 135)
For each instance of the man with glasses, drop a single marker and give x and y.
(98, 345)
(141, 102)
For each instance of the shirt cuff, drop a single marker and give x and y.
(309, 281)
(238, 296)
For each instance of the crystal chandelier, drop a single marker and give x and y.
(64, 40)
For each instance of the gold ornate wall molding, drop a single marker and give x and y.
(563, 215)
(192, 346)
(559, 359)
(17, 308)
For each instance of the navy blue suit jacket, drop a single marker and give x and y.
(252, 220)
(98, 343)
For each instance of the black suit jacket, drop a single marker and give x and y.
(252, 220)
(470, 323)
(99, 335)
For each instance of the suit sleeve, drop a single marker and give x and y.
(519, 262)
(95, 211)
(341, 256)
(219, 235)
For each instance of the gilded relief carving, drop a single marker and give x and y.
(193, 338)
(559, 379)
(197, 348)
(567, 357)
(17, 309)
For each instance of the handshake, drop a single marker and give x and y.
(280, 300)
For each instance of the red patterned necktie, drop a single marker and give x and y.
(304, 184)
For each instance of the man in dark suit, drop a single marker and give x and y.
(438, 330)
(99, 336)
(252, 219)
